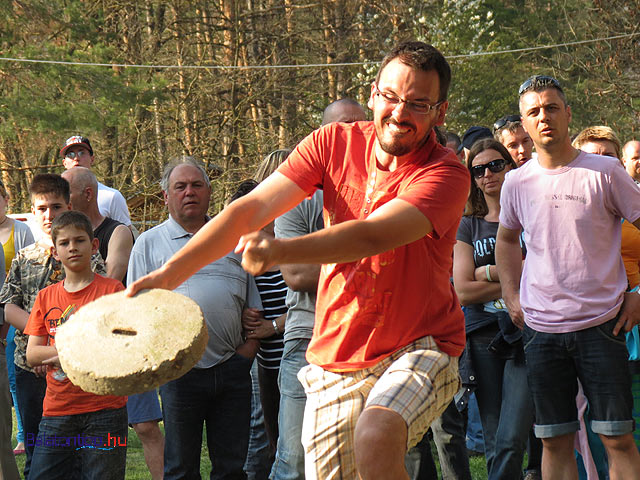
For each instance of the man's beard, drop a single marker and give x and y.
(396, 148)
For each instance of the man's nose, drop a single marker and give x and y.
(401, 110)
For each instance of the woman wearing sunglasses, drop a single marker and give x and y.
(494, 345)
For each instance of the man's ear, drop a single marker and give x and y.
(95, 244)
(166, 199)
(91, 157)
(54, 252)
(442, 112)
(371, 97)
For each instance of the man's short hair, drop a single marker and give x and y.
(455, 138)
(421, 56)
(598, 132)
(184, 160)
(49, 184)
(270, 164)
(510, 123)
(71, 218)
(539, 83)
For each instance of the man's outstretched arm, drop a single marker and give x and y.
(273, 197)
(509, 263)
(394, 224)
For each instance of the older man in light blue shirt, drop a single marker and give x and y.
(218, 389)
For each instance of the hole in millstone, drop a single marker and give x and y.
(124, 331)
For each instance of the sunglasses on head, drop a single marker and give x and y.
(539, 81)
(500, 123)
(494, 166)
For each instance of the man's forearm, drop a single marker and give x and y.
(16, 316)
(220, 235)
(509, 263)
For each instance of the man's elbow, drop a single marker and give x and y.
(463, 298)
(301, 283)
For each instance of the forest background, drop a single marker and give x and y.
(271, 68)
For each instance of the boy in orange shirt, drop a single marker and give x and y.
(81, 434)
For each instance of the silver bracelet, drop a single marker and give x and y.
(275, 326)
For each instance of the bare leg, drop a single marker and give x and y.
(152, 441)
(381, 444)
(558, 461)
(624, 459)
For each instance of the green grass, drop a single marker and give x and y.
(137, 468)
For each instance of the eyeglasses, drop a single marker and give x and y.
(504, 120)
(494, 166)
(74, 155)
(421, 108)
(539, 81)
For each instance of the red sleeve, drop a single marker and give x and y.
(35, 324)
(440, 194)
(306, 165)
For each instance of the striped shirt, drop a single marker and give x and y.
(273, 293)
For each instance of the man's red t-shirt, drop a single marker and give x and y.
(368, 309)
(53, 306)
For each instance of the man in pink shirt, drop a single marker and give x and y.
(569, 297)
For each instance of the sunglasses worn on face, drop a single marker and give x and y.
(504, 120)
(538, 81)
(494, 166)
(78, 154)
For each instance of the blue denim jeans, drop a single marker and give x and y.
(258, 462)
(475, 440)
(30, 391)
(595, 356)
(83, 446)
(10, 350)
(289, 463)
(505, 404)
(449, 436)
(220, 397)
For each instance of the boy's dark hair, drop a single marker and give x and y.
(421, 56)
(49, 183)
(71, 218)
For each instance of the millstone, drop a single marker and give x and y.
(118, 345)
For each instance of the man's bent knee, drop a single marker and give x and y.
(380, 443)
(147, 429)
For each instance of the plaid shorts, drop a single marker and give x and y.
(418, 382)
